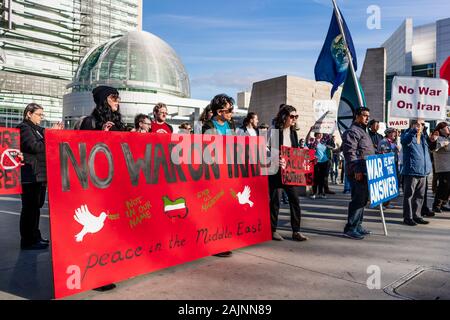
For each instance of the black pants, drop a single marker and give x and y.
(294, 204)
(443, 189)
(320, 177)
(33, 199)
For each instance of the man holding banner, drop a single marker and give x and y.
(356, 145)
(416, 168)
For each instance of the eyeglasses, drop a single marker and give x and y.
(39, 114)
(293, 117)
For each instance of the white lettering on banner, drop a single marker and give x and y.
(415, 97)
(374, 169)
(383, 189)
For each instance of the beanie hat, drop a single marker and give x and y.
(102, 92)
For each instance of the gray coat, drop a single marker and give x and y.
(356, 145)
(441, 153)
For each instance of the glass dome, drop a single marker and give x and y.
(136, 61)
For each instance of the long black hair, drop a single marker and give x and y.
(282, 116)
(103, 113)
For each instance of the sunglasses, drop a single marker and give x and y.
(293, 117)
(230, 110)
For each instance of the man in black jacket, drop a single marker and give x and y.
(356, 145)
(376, 138)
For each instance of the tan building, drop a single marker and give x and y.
(267, 95)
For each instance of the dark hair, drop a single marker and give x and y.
(440, 126)
(249, 117)
(204, 115)
(263, 126)
(31, 107)
(359, 111)
(184, 125)
(103, 113)
(138, 119)
(282, 116)
(219, 101)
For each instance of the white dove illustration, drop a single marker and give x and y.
(90, 223)
(244, 196)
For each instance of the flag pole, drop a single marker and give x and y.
(349, 54)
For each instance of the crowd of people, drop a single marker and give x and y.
(413, 149)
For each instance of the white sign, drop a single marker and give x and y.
(325, 112)
(394, 122)
(419, 98)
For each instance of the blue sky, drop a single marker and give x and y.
(227, 45)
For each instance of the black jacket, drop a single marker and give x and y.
(209, 125)
(89, 123)
(32, 145)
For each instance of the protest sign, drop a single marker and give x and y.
(9, 161)
(124, 204)
(382, 178)
(325, 112)
(397, 123)
(414, 97)
(299, 169)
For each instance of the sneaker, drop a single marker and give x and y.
(364, 231)
(297, 236)
(420, 221)
(313, 196)
(409, 222)
(354, 235)
(277, 237)
(436, 210)
(225, 254)
(322, 196)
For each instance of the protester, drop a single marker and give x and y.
(440, 140)
(416, 168)
(335, 154)
(142, 123)
(389, 145)
(285, 122)
(374, 126)
(185, 128)
(204, 116)
(250, 126)
(33, 176)
(321, 165)
(221, 122)
(159, 124)
(106, 114)
(356, 145)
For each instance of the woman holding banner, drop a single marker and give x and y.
(106, 115)
(285, 123)
(33, 176)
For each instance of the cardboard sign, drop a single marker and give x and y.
(382, 178)
(299, 169)
(124, 204)
(325, 112)
(419, 98)
(9, 161)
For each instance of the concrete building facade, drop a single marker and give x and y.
(267, 95)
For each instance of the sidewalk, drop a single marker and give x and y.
(328, 266)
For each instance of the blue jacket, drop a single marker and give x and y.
(416, 157)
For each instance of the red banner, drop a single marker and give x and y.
(299, 169)
(124, 204)
(9, 161)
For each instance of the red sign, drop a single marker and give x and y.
(124, 204)
(9, 161)
(299, 169)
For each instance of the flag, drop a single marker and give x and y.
(349, 103)
(444, 73)
(176, 208)
(333, 62)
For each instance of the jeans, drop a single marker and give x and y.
(360, 196)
